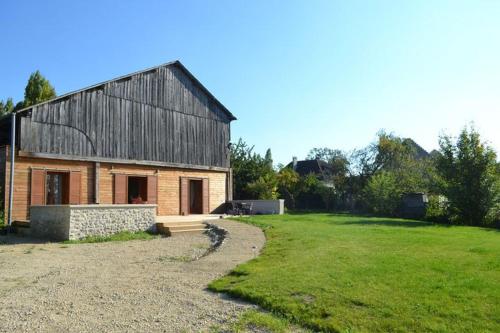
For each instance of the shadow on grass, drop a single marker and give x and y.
(391, 223)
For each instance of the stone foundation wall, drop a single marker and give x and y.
(62, 222)
(50, 222)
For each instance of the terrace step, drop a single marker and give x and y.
(175, 228)
(21, 224)
(21, 227)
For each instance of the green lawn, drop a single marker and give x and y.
(361, 274)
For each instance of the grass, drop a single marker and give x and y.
(257, 321)
(253, 320)
(118, 237)
(341, 273)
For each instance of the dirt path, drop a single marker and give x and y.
(135, 286)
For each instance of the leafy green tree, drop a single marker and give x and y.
(37, 90)
(6, 107)
(340, 164)
(288, 180)
(253, 175)
(471, 176)
(382, 194)
(398, 159)
(269, 158)
(264, 188)
(311, 193)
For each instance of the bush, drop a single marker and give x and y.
(471, 173)
(436, 210)
(264, 188)
(311, 193)
(382, 195)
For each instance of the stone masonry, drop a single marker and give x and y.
(62, 222)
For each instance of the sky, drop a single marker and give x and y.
(296, 74)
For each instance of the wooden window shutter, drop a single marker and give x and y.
(152, 189)
(75, 187)
(120, 189)
(37, 187)
(206, 197)
(184, 196)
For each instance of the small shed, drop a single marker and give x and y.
(414, 204)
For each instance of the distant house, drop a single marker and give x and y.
(418, 151)
(156, 136)
(321, 169)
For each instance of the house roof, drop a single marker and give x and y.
(175, 63)
(315, 166)
(418, 151)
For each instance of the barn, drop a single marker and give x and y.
(156, 136)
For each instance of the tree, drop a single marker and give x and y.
(6, 107)
(311, 193)
(401, 160)
(253, 175)
(269, 158)
(37, 90)
(382, 194)
(264, 188)
(471, 176)
(340, 164)
(287, 186)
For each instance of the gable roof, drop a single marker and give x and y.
(316, 166)
(417, 150)
(175, 63)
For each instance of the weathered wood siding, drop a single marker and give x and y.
(161, 115)
(3, 165)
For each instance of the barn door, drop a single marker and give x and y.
(75, 181)
(120, 190)
(205, 197)
(37, 187)
(152, 189)
(184, 196)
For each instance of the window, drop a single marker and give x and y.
(137, 190)
(57, 188)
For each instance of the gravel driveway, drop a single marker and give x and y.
(134, 286)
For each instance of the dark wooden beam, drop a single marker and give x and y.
(121, 161)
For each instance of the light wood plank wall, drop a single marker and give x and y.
(168, 183)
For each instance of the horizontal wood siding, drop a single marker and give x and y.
(22, 184)
(160, 115)
(168, 185)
